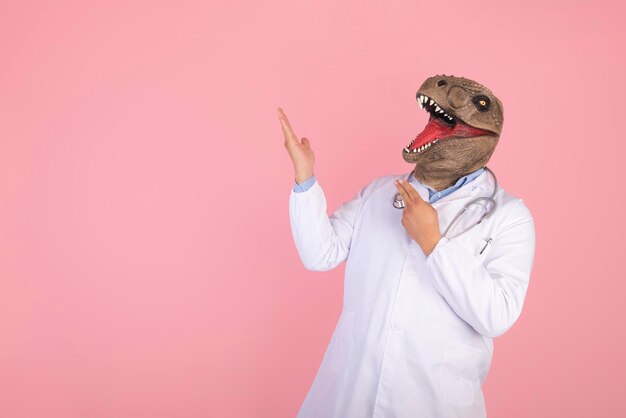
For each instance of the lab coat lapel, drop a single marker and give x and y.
(421, 189)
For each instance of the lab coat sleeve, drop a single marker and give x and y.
(487, 294)
(322, 242)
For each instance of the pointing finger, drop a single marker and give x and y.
(403, 192)
(415, 196)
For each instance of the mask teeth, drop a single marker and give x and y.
(431, 106)
(420, 149)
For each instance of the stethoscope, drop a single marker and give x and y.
(488, 207)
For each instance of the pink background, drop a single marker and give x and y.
(147, 267)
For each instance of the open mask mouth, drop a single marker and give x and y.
(441, 125)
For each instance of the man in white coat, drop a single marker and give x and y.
(421, 306)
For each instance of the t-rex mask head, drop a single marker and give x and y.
(462, 132)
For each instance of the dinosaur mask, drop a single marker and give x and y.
(462, 132)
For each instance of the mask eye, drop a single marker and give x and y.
(482, 103)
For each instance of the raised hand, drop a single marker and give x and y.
(300, 151)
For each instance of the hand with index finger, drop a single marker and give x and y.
(419, 217)
(300, 152)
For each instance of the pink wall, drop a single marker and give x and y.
(147, 267)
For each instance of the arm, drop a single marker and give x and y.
(322, 242)
(487, 296)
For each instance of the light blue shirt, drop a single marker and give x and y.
(433, 194)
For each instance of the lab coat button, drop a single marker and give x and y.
(395, 326)
(410, 268)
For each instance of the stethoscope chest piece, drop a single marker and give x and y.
(398, 202)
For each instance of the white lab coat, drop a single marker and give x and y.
(415, 335)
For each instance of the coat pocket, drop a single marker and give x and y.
(340, 344)
(459, 373)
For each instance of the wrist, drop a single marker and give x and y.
(302, 176)
(430, 245)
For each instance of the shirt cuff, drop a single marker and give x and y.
(304, 186)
